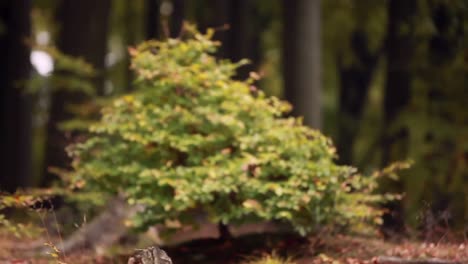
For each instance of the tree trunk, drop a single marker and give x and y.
(400, 49)
(103, 231)
(84, 30)
(244, 36)
(15, 120)
(177, 18)
(83, 33)
(242, 39)
(355, 79)
(224, 233)
(302, 59)
(130, 35)
(153, 19)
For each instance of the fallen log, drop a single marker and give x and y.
(108, 228)
(102, 232)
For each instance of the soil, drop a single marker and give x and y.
(323, 249)
(211, 251)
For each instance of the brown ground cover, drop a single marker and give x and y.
(324, 249)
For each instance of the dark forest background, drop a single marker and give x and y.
(386, 80)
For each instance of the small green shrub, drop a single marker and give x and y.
(21, 201)
(191, 137)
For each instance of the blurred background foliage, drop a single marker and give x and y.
(392, 83)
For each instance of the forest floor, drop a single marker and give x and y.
(325, 249)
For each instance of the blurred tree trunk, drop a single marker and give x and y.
(355, 79)
(83, 33)
(444, 77)
(16, 116)
(177, 18)
(400, 50)
(153, 19)
(302, 59)
(221, 20)
(130, 33)
(242, 38)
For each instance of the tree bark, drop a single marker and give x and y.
(242, 38)
(84, 30)
(302, 59)
(355, 79)
(177, 18)
(400, 49)
(83, 33)
(224, 233)
(153, 19)
(103, 231)
(16, 109)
